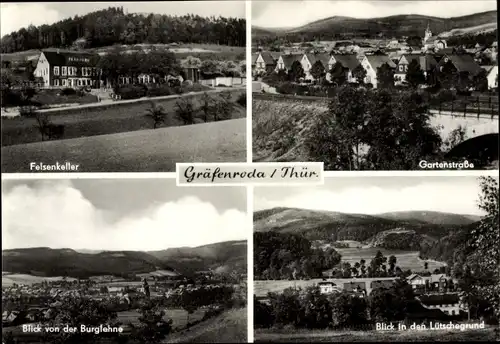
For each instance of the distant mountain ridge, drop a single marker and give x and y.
(44, 261)
(391, 26)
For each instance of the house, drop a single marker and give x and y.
(426, 62)
(265, 61)
(492, 76)
(371, 63)
(285, 61)
(348, 61)
(308, 61)
(447, 303)
(463, 63)
(358, 288)
(60, 68)
(431, 42)
(328, 287)
(381, 284)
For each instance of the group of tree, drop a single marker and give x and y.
(379, 266)
(373, 129)
(309, 308)
(114, 26)
(290, 256)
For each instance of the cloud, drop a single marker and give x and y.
(431, 196)
(56, 215)
(296, 13)
(15, 16)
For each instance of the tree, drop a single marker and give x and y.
(157, 114)
(185, 110)
(414, 41)
(415, 75)
(480, 81)
(448, 75)
(426, 265)
(359, 73)
(318, 71)
(385, 76)
(338, 74)
(153, 328)
(347, 310)
(296, 72)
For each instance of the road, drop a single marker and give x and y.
(138, 151)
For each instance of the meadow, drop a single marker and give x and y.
(97, 119)
(10, 279)
(328, 336)
(152, 150)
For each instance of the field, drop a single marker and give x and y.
(306, 336)
(9, 279)
(99, 119)
(229, 327)
(278, 127)
(137, 151)
(178, 316)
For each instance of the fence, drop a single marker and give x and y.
(224, 81)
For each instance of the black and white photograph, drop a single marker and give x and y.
(123, 261)
(385, 259)
(122, 86)
(376, 85)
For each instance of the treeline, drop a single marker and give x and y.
(289, 256)
(113, 26)
(379, 266)
(311, 309)
(470, 40)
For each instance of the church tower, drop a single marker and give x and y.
(428, 33)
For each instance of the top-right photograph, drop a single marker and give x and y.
(376, 85)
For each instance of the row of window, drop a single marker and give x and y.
(71, 71)
(69, 83)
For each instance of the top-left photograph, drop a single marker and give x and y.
(122, 87)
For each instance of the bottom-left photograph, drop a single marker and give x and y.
(123, 261)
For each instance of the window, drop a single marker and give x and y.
(401, 68)
(63, 82)
(56, 82)
(56, 70)
(64, 71)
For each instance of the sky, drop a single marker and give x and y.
(14, 16)
(119, 214)
(376, 195)
(295, 13)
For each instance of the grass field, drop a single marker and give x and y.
(306, 336)
(10, 279)
(137, 151)
(100, 120)
(229, 327)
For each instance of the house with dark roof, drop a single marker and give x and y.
(371, 63)
(60, 68)
(462, 63)
(328, 288)
(285, 61)
(448, 303)
(348, 61)
(381, 284)
(426, 62)
(308, 61)
(265, 62)
(357, 288)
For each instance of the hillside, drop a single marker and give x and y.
(398, 238)
(44, 261)
(431, 217)
(389, 27)
(333, 226)
(223, 256)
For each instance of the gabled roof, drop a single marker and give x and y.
(378, 60)
(289, 59)
(488, 69)
(465, 63)
(59, 57)
(326, 283)
(324, 58)
(427, 61)
(439, 299)
(413, 276)
(267, 57)
(348, 61)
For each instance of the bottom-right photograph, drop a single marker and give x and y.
(377, 259)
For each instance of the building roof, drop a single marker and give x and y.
(465, 63)
(413, 276)
(488, 69)
(439, 299)
(267, 57)
(351, 286)
(348, 61)
(382, 284)
(59, 57)
(289, 59)
(324, 58)
(376, 61)
(427, 61)
(326, 283)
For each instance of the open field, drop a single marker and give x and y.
(137, 151)
(405, 259)
(178, 316)
(328, 336)
(97, 119)
(229, 327)
(9, 279)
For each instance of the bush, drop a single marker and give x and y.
(27, 111)
(162, 90)
(68, 91)
(242, 99)
(131, 91)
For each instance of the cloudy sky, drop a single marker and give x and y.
(17, 15)
(375, 195)
(296, 13)
(108, 214)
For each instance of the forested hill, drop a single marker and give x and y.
(114, 26)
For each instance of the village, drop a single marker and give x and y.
(322, 62)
